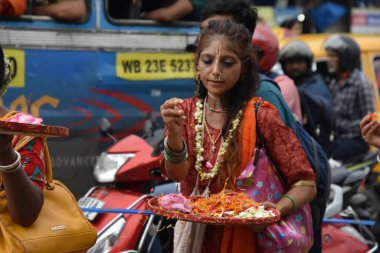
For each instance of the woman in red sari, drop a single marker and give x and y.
(21, 162)
(212, 135)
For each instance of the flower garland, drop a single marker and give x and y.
(7, 76)
(200, 121)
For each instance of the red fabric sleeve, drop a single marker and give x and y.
(32, 160)
(284, 148)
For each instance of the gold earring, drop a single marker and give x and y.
(198, 77)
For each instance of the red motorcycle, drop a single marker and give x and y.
(127, 172)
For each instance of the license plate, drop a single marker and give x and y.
(88, 202)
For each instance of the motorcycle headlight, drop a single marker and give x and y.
(107, 166)
(108, 238)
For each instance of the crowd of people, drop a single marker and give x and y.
(211, 137)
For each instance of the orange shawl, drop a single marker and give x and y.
(241, 239)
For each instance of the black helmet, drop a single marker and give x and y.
(295, 49)
(347, 49)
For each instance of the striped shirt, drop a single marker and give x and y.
(352, 101)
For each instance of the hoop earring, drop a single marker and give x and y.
(198, 78)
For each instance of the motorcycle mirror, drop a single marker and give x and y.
(105, 127)
(149, 124)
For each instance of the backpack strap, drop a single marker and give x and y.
(264, 78)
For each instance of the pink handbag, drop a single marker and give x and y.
(261, 181)
(294, 233)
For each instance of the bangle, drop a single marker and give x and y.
(173, 153)
(11, 167)
(175, 160)
(18, 167)
(294, 207)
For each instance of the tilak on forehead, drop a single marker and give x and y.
(218, 50)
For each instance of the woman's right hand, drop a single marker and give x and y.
(172, 116)
(370, 129)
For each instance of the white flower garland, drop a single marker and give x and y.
(199, 119)
(7, 76)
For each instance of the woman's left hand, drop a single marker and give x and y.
(258, 228)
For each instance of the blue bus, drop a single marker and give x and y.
(74, 74)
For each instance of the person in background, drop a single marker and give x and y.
(296, 60)
(189, 10)
(21, 161)
(266, 46)
(62, 10)
(12, 8)
(224, 107)
(352, 95)
(292, 26)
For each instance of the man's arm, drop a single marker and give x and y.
(70, 10)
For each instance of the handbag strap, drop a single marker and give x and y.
(260, 144)
(48, 167)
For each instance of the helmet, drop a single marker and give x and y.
(265, 40)
(296, 49)
(347, 49)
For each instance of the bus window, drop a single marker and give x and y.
(146, 10)
(376, 68)
(127, 9)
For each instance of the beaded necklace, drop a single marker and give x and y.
(199, 137)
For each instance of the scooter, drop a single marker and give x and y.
(127, 172)
(341, 236)
(358, 186)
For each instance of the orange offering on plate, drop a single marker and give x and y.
(226, 207)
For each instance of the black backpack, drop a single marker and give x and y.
(318, 119)
(320, 164)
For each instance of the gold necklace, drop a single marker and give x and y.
(215, 110)
(218, 104)
(213, 146)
